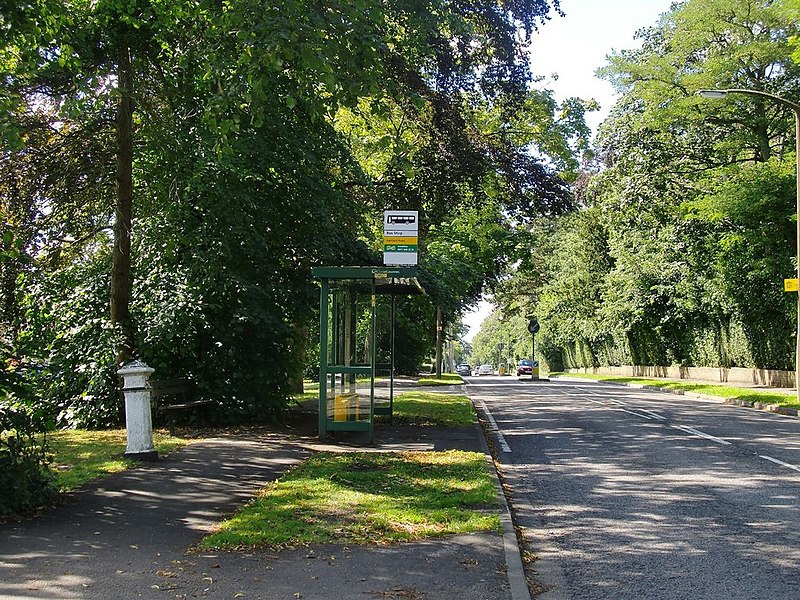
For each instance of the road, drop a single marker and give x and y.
(627, 493)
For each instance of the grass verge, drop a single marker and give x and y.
(80, 455)
(429, 409)
(367, 498)
(446, 379)
(786, 399)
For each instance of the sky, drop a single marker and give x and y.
(574, 47)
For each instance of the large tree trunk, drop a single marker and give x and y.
(121, 260)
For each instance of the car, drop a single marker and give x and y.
(464, 369)
(486, 370)
(525, 366)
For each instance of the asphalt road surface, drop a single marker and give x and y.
(627, 493)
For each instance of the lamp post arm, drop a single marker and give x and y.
(788, 103)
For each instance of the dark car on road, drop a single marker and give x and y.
(464, 369)
(525, 367)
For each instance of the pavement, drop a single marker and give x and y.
(131, 535)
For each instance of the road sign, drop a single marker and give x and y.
(790, 285)
(533, 326)
(400, 237)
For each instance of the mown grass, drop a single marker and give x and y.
(80, 455)
(367, 498)
(787, 398)
(430, 409)
(446, 379)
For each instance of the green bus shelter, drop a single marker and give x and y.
(347, 362)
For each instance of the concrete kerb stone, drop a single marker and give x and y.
(773, 408)
(518, 583)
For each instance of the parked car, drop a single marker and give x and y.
(525, 366)
(486, 370)
(464, 369)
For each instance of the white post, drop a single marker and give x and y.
(138, 417)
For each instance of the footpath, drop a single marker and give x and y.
(130, 535)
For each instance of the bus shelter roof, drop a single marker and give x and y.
(388, 280)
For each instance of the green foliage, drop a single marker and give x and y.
(414, 334)
(68, 333)
(791, 10)
(25, 481)
(751, 215)
(687, 227)
(226, 269)
(267, 137)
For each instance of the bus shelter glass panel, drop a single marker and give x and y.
(347, 358)
(348, 397)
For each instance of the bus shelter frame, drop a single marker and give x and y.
(345, 284)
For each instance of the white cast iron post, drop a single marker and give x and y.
(138, 414)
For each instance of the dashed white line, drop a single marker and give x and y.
(636, 414)
(702, 434)
(596, 402)
(648, 414)
(655, 415)
(630, 412)
(779, 462)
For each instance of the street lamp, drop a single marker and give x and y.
(796, 108)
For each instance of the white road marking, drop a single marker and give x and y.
(592, 392)
(503, 443)
(702, 434)
(655, 415)
(634, 413)
(779, 462)
(648, 414)
(597, 402)
(630, 412)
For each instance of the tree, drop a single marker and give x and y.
(680, 274)
(206, 129)
(791, 10)
(702, 45)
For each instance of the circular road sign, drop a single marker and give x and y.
(533, 326)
